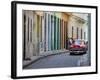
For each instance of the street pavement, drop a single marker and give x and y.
(60, 61)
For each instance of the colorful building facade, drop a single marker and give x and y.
(49, 31)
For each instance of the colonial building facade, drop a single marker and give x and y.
(49, 31)
(78, 26)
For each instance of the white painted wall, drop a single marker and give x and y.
(74, 20)
(30, 45)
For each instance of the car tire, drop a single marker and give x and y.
(84, 53)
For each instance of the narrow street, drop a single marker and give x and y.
(61, 60)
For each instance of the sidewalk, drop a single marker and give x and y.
(42, 55)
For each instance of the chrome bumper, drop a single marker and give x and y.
(77, 51)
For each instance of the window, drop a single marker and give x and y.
(45, 31)
(28, 29)
(81, 33)
(72, 31)
(31, 31)
(84, 35)
(64, 34)
(24, 45)
(54, 32)
(77, 32)
(41, 28)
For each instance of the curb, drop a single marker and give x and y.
(41, 57)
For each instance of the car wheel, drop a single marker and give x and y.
(84, 53)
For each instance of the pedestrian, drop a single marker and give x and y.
(70, 42)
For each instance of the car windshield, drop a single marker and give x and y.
(77, 42)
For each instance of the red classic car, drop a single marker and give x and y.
(78, 47)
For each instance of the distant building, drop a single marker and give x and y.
(78, 26)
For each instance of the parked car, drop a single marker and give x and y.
(78, 47)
